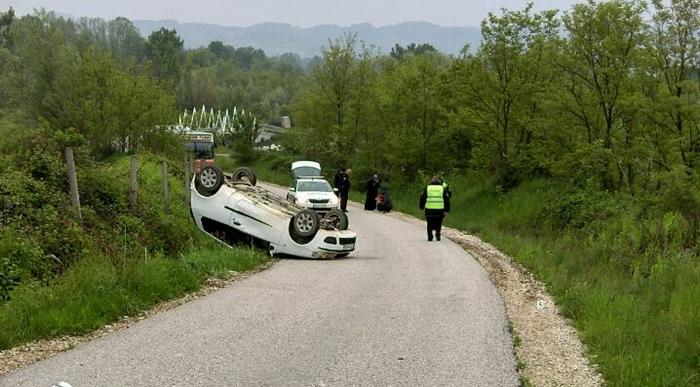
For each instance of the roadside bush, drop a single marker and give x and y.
(100, 190)
(579, 207)
(168, 233)
(9, 276)
(20, 259)
(277, 161)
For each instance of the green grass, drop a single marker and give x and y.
(281, 176)
(99, 291)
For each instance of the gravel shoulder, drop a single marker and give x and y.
(550, 352)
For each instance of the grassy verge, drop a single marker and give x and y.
(98, 291)
(281, 175)
(60, 277)
(620, 273)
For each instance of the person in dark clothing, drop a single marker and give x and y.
(372, 189)
(342, 182)
(338, 178)
(384, 202)
(436, 202)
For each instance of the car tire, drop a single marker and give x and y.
(304, 226)
(342, 255)
(244, 174)
(209, 180)
(337, 218)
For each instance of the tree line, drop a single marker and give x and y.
(597, 90)
(103, 83)
(603, 95)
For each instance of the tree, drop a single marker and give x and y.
(112, 109)
(44, 55)
(6, 20)
(243, 132)
(164, 49)
(504, 90)
(417, 121)
(125, 41)
(601, 58)
(398, 51)
(675, 50)
(334, 75)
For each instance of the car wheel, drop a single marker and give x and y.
(342, 255)
(306, 223)
(209, 180)
(337, 219)
(244, 174)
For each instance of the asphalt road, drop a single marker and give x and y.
(398, 311)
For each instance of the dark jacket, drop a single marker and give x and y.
(445, 198)
(342, 182)
(337, 178)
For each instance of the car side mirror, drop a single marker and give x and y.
(291, 189)
(335, 190)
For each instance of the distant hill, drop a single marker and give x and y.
(278, 38)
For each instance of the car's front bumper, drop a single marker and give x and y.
(326, 244)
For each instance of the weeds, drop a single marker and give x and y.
(95, 292)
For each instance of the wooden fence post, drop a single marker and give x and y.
(73, 184)
(134, 190)
(187, 181)
(166, 194)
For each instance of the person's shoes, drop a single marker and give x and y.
(437, 237)
(430, 239)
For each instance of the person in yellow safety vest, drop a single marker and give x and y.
(436, 202)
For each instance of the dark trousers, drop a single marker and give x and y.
(344, 201)
(434, 222)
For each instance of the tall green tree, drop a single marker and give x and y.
(44, 55)
(675, 51)
(505, 89)
(125, 41)
(164, 49)
(600, 59)
(113, 109)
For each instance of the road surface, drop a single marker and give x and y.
(398, 311)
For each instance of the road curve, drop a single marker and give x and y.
(398, 311)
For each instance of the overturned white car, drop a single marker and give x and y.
(232, 209)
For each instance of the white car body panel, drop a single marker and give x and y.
(258, 213)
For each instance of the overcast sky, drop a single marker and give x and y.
(303, 13)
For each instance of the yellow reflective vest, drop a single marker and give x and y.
(434, 199)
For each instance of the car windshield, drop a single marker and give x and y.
(306, 171)
(314, 186)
